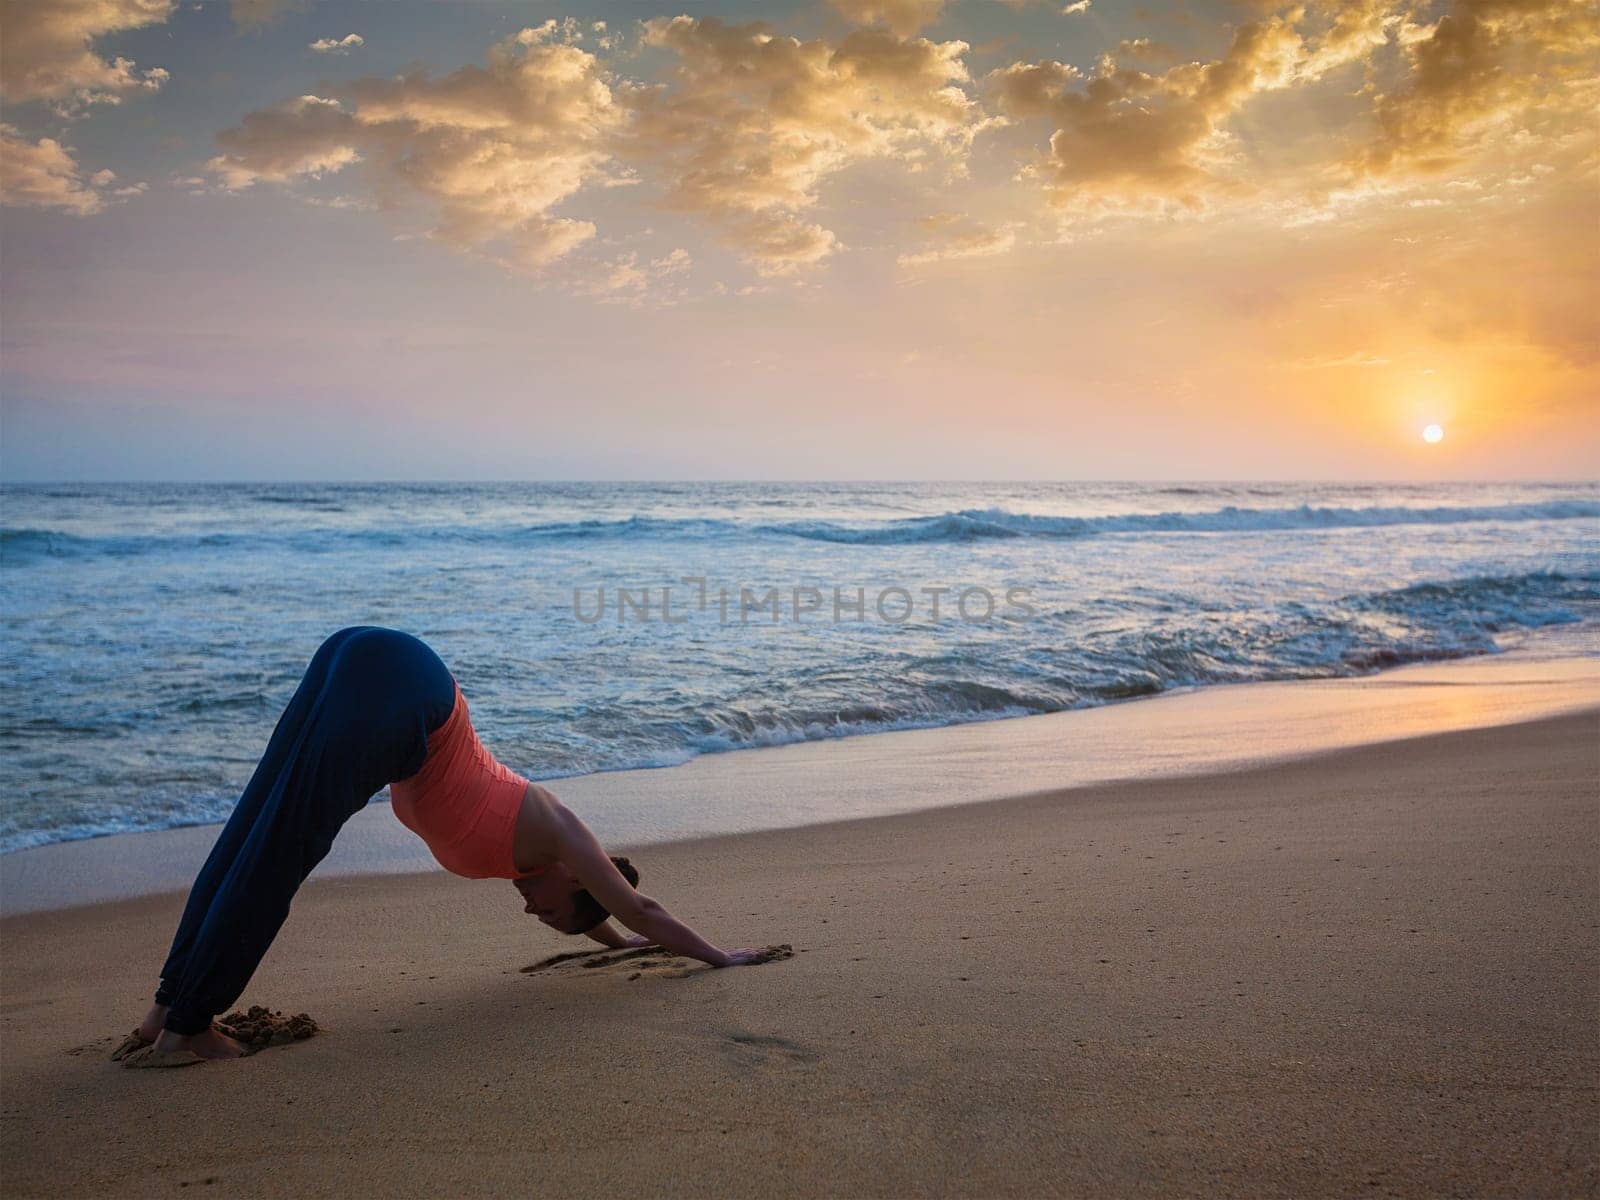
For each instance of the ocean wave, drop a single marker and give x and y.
(947, 527)
(1355, 635)
(622, 527)
(25, 545)
(22, 545)
(18, 546)
(1494, 602)
(973, 524)
(1348, 636)
(37, 543)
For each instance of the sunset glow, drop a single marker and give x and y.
(847, 239)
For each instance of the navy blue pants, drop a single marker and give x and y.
(359, 720)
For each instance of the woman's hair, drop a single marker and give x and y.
(587, 912)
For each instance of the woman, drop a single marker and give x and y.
(378, 707)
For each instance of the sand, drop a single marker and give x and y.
(1372, 972)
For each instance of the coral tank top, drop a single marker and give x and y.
(462, 802)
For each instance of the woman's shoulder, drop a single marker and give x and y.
(538, 832)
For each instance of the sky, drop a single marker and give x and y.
(840, 239)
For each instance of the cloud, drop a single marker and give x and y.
(1356, 29)
(1133, 136)
(953, 236)
(540, 241)
(630, 279)
(46, 51)
(904, 17)
(1070, 9)
(1127, 137)
(778, 243)
(310, 135)
(751, 123)
(346, 203)
(742, 133)
(1483, 63)
(744, 129)
(337, 45)
(489, 150)
(1135, 139)
(44, 174)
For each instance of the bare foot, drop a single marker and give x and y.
(150, 1028)
(212, 1043)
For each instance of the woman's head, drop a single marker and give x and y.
(559, 900)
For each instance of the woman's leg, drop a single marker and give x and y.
(246, 814)
(295, 831)
(365, 725)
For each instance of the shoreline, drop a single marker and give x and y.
(1184, 733)
(1175, 735)
(1369, 971)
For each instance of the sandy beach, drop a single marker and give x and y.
(1370, 971)
(1061, 538)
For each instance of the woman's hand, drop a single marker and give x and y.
(636, 941)
(740, 958)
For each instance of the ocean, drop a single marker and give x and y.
(153, 632)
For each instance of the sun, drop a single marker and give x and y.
(1433, 433)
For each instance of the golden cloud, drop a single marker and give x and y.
(950, 235)
(1483, 63)
(43, 174)
(631, 278)
(1130, 138)
(1130, 135)
(904, 17)
(46, 49)
(751, 123)
(745, 127)
(742, 133)
(491, 150)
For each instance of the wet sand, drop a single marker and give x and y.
(1376, 971)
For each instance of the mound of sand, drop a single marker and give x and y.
(258, 1027)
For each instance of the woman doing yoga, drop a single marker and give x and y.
(378, 707)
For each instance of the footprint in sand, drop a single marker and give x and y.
(654, 962)
(651, 960)
(760, 1049)
(99, 1044)
(255, 1029)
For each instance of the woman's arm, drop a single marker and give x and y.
(607, 936)
(587, 859)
